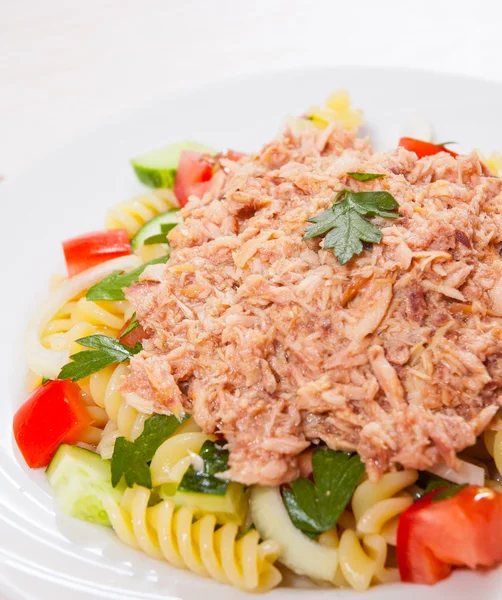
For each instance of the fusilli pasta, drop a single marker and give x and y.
(163, 532)
(133, 214)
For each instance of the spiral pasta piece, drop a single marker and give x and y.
(133, 214)
(82, 317)
(377, 506)
(197, 545)
(174, 456)
(104, 387)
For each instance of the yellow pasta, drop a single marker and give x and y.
(81, 317)
(134, 213)
(104, 388)
(198, 545)
(377, 506)
(337, 109)
(174, 456)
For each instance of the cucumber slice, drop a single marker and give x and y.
(154, 227)
(157, 169)
(80, 480)
(298, 552)
(228, 508)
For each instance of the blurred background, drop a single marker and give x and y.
(67, 65)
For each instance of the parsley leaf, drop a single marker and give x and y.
(107, 351)
(345, 226)
(111, 287)
(160, 238)
(316, 507)
(131, 459)
(204, 482)
(131, 326)
(365, 176)
(45, 380)
(447, 488)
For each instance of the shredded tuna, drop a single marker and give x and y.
(266, 339)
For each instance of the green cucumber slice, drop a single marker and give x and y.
(229, 508)
(80, 479)
(157, 169)
(154, 228)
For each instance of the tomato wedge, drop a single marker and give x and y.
(421, 148)
(91, 249)
(193, 175)
(463, 530)
(52, 414)
(132, 337)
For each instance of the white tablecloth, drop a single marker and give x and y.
(65, 65)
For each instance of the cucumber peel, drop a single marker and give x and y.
(230, 507)
(157, 169)
(154, 227)
(80, 480)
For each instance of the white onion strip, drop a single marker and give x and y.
(46, 362)
(468, 473)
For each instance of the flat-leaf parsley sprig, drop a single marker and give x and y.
(106, 351)
(344, 225)
(316, 506)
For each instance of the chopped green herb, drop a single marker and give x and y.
(366, 176)
(112, 286)
(106, 351)
(344, 225)
(131, 459)
(45, 380)
(204, 482)
(160, 238)
(316, 507)
(133, 323)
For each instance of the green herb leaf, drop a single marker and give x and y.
(131, 459)
(365, 176)
(160, 238)
(112, 286)
(344, 223)
(107, 351)
(316, 507)
(133, 323)
(448, 488)
(45, 380)
(204, 482)
(446, 143)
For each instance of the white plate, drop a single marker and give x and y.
(46, 557)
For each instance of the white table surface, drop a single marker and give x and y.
(66, 65)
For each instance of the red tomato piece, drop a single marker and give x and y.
(54, 413)
(422, 149)
(463, 530)
(91, 249)
(193, 175)
(133, 337)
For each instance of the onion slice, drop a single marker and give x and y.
(468, 473)
(48, 363)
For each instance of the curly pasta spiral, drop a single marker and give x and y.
(104, 388)
(82, 317)
(369, 530)
(377, 506)
(164, 533)
(173, 457)
(133, 214)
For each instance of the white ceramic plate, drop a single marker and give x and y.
(47, 557)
